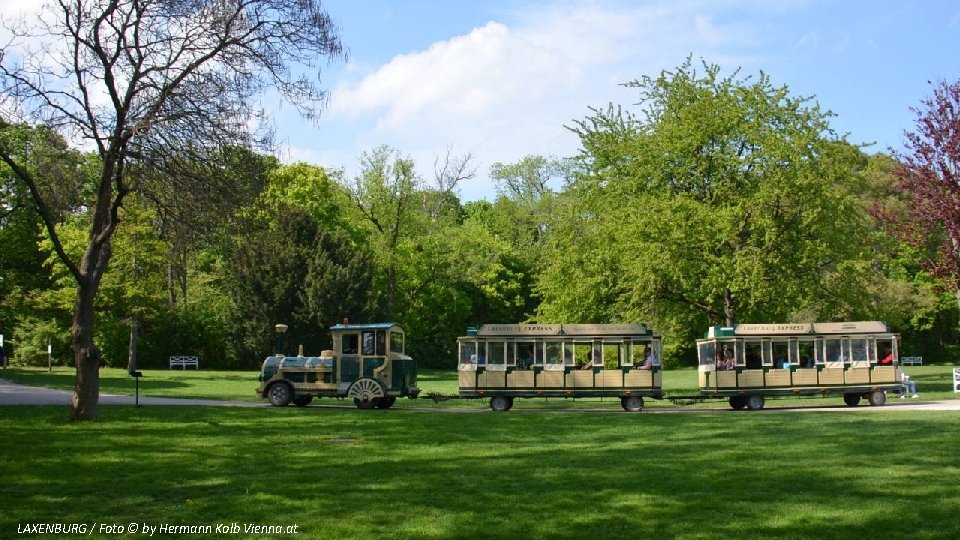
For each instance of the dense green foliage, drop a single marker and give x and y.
(717, 199)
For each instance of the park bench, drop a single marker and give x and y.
(183, 361)
(911, 360)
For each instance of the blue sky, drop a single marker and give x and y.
(500, 79)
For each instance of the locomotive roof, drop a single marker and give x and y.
(365, 326)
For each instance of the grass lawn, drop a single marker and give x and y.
(341, 473)
(934, 383)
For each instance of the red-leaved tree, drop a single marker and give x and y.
(930, 176)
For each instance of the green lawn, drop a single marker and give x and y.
(341, 473)
(934, 382)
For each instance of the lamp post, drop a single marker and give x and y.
(280, 341)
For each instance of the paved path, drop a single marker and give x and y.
(18, 394)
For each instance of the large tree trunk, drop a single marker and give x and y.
(86, 395)
(729, 308)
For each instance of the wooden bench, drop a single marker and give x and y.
(183, 361)
(911, 360)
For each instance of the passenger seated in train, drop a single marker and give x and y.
(887, 358)
(526, 358)
(753, 359)
(647, 358)
(806, 362)
(725, 361)
(781, 362)
(589, 363)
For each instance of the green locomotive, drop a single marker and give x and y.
(367, 363)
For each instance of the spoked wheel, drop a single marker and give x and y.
(280, 394)
(632, 403)
(366, 393)
(386, 402)
(851, 399)
(738, 402)
(501, 403)
(755, 403)
(366, 404)
(302, 401)
(877, 398)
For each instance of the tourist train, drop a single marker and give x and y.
(744, 364)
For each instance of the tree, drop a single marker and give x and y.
(384, 195)
(154, 84)
(292, 269)
(931, 176)
(723, 200)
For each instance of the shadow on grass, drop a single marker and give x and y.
(362, 474)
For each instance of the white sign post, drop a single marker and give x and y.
(956, 380)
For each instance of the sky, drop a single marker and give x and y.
(500, 79)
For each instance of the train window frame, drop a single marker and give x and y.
(381, 343)
(833, 350)
(496, 353)
(597, 348)
(766, 351)
(863, 358)
(511, 353)
(612, 363)
(353, 337)
(582, 351)
(368, 343)
(892, 342)
(811, 346)
(521, 346)
(707, 353)
(467, 352)
(748, 345)
(397, 342)
(568, 353)
(780, 345)
(553, 353)
(538, 353)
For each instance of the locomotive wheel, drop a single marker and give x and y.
(366, 404)
(302, 401)
(501, 403)
(632, 403)
(851, 399)
(738, 402)
(280, 394)
(877, 398)
(387, 402)
(366, 393)
(755, 403)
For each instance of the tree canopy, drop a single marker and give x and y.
(152, 85)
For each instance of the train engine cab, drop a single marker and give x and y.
(367, 363)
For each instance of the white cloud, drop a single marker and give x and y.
(508, 87)
(467, 77)
(504, 90)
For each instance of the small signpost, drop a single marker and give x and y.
(956, 380)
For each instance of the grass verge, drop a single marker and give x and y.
(405, 474)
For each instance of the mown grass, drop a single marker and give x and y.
(934, 382)
(338, 473)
